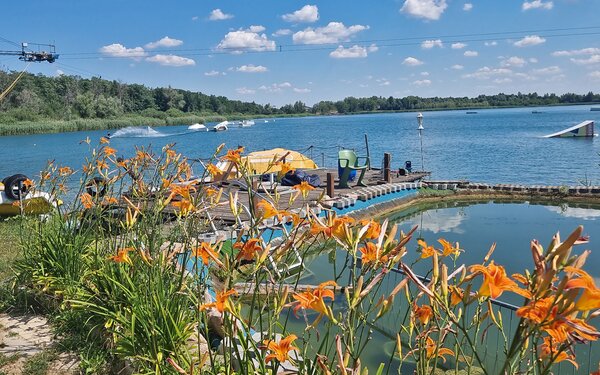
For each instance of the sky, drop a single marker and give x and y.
(278, 52)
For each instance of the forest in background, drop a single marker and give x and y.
(41, 104)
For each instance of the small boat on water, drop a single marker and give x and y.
(536, 112)
(198, 127)
(471, 113)
(594, 109)
(246, 124)
(221, 127)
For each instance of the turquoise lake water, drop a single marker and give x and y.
(495, 145)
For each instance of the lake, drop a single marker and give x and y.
(494, 145)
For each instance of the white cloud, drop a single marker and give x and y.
(425, 74)
(551, 70)
(467, 7)
(212, 73)
(334, 32)
(245, 91)
(429, 44)
(252, 69)
(580, 213)
(490, 44)
(301, 91)
(195, 18)
(458, 45)
(246, 39)
(427, 9)
(218, 15)
(502, 80)
(594, 59)
(533, 60)
(457, 67)
(308, 13)
(423, 82)
(119, 50)
(537, 4)
(59, 72)
(282, 32)
(514, 61)
(383, 82)
(411, 61)
(487, 73)
(354, 52)
(577, 52)
(471, 53)
(595, 75)
(276, 87)
(164, 42)
(530, 40)
(171, 60)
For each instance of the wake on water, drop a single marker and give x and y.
(144, 132)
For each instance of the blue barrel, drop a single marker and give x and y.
(352, 175)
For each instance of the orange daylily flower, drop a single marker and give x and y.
(122, 255)
(65, 171)
(314, 299)
(268, 210)
(104, 140)
(213, 170)
(426, 250)
(233, 156)
(456, 295)
(495, 281)
(285, 168)
(434, 351)
(185, 206)
(448, 249)
(371, 253)
(303, 187)
(335, 227)
(547, 351)
(109, 200)
(86, 200)
(423, 313)
(222, 302)
(206, 252)
(248, 249)
(374, 229)
(545, 313)
(590, 298)
(280, 350)
(109, 151)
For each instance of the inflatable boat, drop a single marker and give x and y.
(16, 197)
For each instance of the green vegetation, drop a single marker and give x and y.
(10, 249)
(41, 104)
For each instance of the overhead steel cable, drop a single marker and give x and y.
(307, 48)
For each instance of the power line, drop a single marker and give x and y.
(10, 42)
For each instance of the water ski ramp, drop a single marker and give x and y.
(584, 129)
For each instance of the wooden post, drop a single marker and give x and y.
(255, 198)
(330, 184)
(323, 159)
(387, 162)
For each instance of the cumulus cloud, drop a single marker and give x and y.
(164, 42)
(595, 75)
(218, 15)
(334, 32)
(458, 45)
(246, 39)
(59, 72)
(427, 9)
(119, 50)
(354, 52)
(213, 73)
(486, 73)
(301, 90)
(537, 4)
(530, 40)
(490, 44)
(429, 44)
(471, 53)
(502, 80)
(308, 13)
(282, 32)
(551, 70)
(457, 67)
(422, 82)
(411, 61)
(252, 69)
(171, 60)
(594, 59)
(513, 61)
(276, 87)
(383, 82)
(467, 7)
(533, 60)
(577, 52)
(425, 74)
(245, 91)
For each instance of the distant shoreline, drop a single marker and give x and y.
(49, 126)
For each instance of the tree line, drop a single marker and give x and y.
(67, 97)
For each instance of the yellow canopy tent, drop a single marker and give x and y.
(261, 162)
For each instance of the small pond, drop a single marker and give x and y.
(477, 225)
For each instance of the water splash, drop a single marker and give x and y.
(138, 132)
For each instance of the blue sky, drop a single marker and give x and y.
(281, 51)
